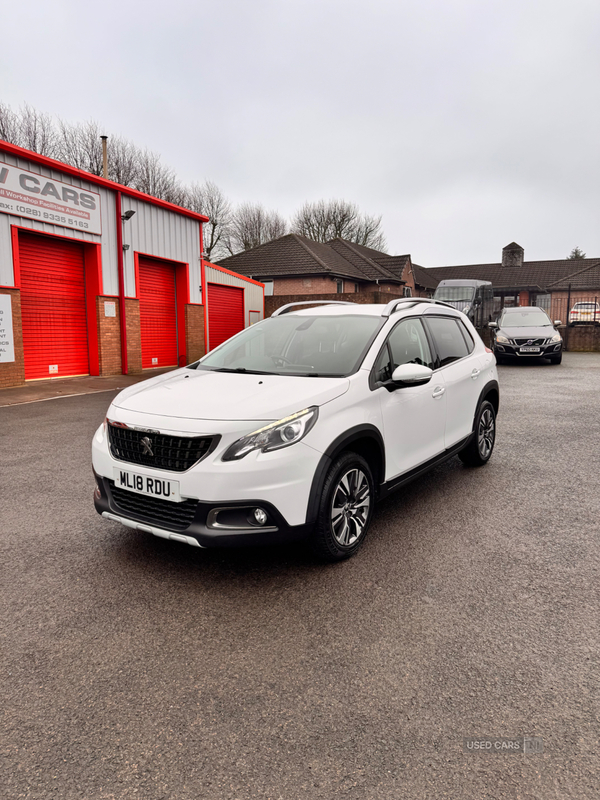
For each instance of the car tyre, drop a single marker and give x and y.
(556, 359)
(480, 448)
(345, 508)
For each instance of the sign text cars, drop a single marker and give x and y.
(27, 194)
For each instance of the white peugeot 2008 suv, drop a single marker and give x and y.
(296, 426)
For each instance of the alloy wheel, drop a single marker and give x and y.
(485, 433)
(350, 507)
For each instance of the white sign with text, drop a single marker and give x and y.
(7, 343)
(27, 194)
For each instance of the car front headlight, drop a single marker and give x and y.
(285, 432)
(556, 338)
(502, 339)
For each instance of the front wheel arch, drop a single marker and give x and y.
(365, 440)
(345, 508)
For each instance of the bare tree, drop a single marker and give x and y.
(37, 131)
(157, 179)
(252, 225)
(123, 158)
(325, 220)
(9, 125)
(209, 200)
(576, 253)
(80, 145)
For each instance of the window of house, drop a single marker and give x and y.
(268, 288)
(356, 287)
(340, 286)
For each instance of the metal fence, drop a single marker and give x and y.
(574, 309)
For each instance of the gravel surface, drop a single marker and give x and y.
(135, 667)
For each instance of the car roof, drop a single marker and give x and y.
(373, 309)
(370, 310)
(451, 282)
(522, 310)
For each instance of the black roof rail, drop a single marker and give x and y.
(282, 309)
(393, 304)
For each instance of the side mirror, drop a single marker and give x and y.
(411, 375)
(557, 322)
(492, 324)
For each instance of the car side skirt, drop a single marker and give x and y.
(396, 483)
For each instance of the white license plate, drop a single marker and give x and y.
(144, 484)
(529, 350)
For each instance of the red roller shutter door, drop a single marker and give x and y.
(55, 337)
(225, 312)
(158, 316)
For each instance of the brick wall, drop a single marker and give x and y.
(311, 284)
(109, 338)
(194, 333)
(13, 372)
(582, 338)
(276, 301)
(321, 284)
(134, 336)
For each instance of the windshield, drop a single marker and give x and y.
(584, 306)
(455, 294)
(525, 319)
(297, 345)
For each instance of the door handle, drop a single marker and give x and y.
(475, 373)
(438, 391)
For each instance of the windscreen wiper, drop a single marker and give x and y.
(244, 371)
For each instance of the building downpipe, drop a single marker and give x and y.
(122, 316)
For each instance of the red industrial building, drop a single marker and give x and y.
(98, 279)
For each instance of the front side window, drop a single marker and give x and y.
(449, 341)
(407, 344)
(297, 344)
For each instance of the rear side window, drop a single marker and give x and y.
(468, 338)
(407, 344)
(449, 341)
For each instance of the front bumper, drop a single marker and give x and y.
(278, 482)
(204, 529)
(513, 351)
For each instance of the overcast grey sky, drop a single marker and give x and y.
(466, 123)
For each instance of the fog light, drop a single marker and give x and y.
(260, 516)
(97, 492)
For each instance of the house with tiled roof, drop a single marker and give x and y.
(520, 282)
(296, 265)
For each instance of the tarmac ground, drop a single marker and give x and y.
(135, 667)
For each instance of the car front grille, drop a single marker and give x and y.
(158, 450)
(153, 510)
(529, 342)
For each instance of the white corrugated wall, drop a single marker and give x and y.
(155, 231)
(108, 238)
(152, 230)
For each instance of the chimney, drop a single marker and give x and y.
(512, 255)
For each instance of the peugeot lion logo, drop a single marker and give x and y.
(147, 444)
